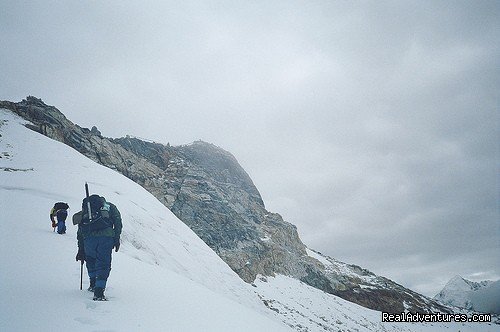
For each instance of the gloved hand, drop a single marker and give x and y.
(116, 245)
(80, 256)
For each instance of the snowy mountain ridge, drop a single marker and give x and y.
(207, 189)
(483, 296)
(460, 283)
(162, 276)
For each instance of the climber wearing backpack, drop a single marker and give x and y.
(59, 212)
(98, 233)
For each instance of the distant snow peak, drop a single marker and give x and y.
(479, 296)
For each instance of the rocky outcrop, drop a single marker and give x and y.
(50, 122)
(209, 191)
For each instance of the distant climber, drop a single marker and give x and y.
(58, 216)
(98, 233)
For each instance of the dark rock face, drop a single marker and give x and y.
(209, 191)
(206, 188)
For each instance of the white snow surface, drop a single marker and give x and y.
(164, 278)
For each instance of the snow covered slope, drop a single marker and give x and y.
(308, 309)
(163, 279)
(481, 296)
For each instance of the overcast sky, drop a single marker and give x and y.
(371, 125)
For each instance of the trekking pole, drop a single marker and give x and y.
(81, 275)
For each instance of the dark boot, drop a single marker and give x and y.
(92, 285)
(99, 294)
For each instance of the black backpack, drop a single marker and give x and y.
(61, 206)
(100, 217)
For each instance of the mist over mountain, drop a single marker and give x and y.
(206, 188)
(155, 236)
(366, 123)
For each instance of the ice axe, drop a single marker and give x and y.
(88, 202)
(89, 211)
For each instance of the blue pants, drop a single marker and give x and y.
(61, 227)
(61, 221)
(98, 257)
